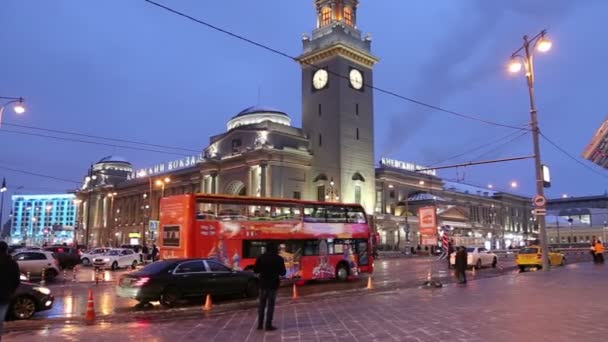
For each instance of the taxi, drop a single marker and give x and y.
(531, 257)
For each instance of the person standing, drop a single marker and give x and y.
(269, 266)
(9, 273)
(592, 250)
(461, 265)
(154, 253)
(599, 251)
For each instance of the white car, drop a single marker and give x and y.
(117, 258)
(32, 262)
(88, 256)
(478, 257)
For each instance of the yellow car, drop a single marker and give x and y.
(531, 257)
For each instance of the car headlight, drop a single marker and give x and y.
(43, 290)
(22, 277)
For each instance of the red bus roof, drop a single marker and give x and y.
(270, 200)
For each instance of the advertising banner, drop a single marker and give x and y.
(428, 222)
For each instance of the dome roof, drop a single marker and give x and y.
(258, 114)
(259, 110)
(113, 159)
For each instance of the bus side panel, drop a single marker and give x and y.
(176, 216)
(205, 238)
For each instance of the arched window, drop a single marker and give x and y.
(348, 15)
(325, 16)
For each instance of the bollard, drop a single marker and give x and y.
(42, 277)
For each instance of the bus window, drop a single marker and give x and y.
(228, 212)
(362, 250)
(311, 247)
(206, 211)
(253, 249)
(336, 214)
(355, 215)
(315, 214)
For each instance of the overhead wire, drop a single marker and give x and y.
(98, 137)
(298, 60)
(561, 149)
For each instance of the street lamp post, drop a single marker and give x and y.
(331, 193)
(2, 190)
(19, 108)
(540, 43)
(110, 218)
(90, 178)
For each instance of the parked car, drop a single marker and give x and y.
(531, 257)
(170, 281)
(33, 262)
(478, 257)
(87, 257)
(117, 258)
(29, 299)
(68, 256)
(137, 249)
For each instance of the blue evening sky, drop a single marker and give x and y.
(129, 70)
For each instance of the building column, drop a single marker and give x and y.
(250, 182)
(214, 184)
(263, 180)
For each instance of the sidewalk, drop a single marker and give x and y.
(566, 304)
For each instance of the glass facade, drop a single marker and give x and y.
(39, 219)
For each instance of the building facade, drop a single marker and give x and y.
(39, 219)
(331, 158)
(577, 220)
(597, 149)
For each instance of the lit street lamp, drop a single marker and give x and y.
(518, 61)
(18, 106)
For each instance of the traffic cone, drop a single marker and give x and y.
(295, 292)
(370, 286)
(89, 318)
(208, 304)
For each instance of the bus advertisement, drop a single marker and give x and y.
(317, 240)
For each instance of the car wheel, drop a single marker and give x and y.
(86, 261)
(342, 273)
(170, 297)
(114, 266)
(494, 262)
(23, 308)
(478, 264)
(50, 275)
(134, 264)
(522, 268)
(252, 289)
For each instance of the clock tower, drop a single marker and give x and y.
(337, 106)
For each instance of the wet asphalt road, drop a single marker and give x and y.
(71, 297)
(402, 272)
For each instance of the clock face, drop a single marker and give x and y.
(356, 79)
(320, 78)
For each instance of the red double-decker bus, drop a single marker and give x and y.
(317, 240)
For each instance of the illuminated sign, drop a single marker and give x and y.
(401, 165)
(167, 166)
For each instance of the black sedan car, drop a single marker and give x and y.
(29, 299)
(170, 281)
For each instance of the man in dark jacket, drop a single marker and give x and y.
(461, 265)
(270, 266)
(9, 273)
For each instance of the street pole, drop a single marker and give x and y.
(539, 41)
(3, 190)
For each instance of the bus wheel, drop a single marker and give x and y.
(342, 273)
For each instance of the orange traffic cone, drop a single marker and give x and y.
(208, 304)
(295, 292)
(89, 318)
(370, 286)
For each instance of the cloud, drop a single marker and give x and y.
(446, 71)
